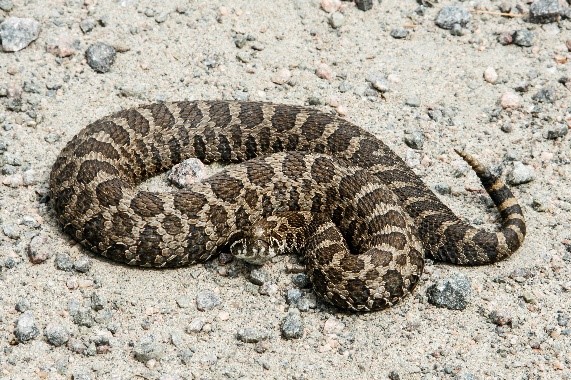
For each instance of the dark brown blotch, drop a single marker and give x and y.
(189, 203)
(314, 125)
(172, 224)
(394, 283)
(226, 187)
(340, 140)
(162, 116)
(380, 257)
(117, 133)
(110, 192)
(88, 170)
(323, 170)
(92, 145)
(147, 204)
(293, 166)
(190, 113)
(259, 173)
(251, 114)
(149, 245)
(284, 117)
(135, 120)
(220, 114)
(395, 239)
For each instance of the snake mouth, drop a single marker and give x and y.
(255, 252)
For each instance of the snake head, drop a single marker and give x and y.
(253, 251)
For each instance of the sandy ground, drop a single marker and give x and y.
(132, 323)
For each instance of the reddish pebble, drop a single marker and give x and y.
(323, 71)
(510, 100)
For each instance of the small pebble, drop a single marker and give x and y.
(17, 33)
(414, 139)
(399, 33)
(258, 276)
(293, 296)
(336, 20)
(63, 262)
(6, 5)
(147, 349)
(490, 75)
(323, 71)
(281, 76)
(523, 37)
(251, 335)
(38, 250)
(22, 305)
(301, 280)
(97, 301)
(364, 5)
(544, 11)
(520, 174)
(63, 46)
(184, 302)
(505, 38)
(545, 95)
(457, 30)
(207, 300)
(451, 15)
(189, 171)
(381, 85)
(330, 6)
(56, 334)
(510, 100)
(555, 131)
(412, 102)
(195, 325)
(82, 264)
(26, 328)
(100, 57)
(84, 317)
(452, 293)
(87, 25)
(292, 325)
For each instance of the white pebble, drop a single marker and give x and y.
(490, 75)
(281, 76)
(510, 100)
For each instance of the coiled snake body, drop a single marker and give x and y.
(306, 181)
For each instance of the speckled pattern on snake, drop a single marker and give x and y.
(303, 181)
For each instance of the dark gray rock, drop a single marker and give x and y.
(523, 37)
(22, 305)
(301, 280)
(293, 295)
(26, 328)
(98, 302)
(17, 33)
(292, 325)
(452, 293)
(364, 5)
(451, 15)
(100, 57)
(84, 317)
(87, 25)
(457, 30)
(544, 11)
(56, 334)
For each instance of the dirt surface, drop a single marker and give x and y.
(68, 314)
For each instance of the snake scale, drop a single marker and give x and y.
(303, 181)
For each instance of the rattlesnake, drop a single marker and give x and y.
(304, 180)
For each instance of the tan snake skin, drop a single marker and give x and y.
(307, 181)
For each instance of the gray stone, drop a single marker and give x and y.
(63, 262)
(293, 295)
(38, 250)
(381, 85)
(555, 131)
(442, 188)
(364, 5)
(82, 265)
(184, 302)
(544, 11)
(98, 302)
(399, 33)
(12, 231)
(520, 174)
(451, 15)
(452, 293)
(195, 325)
(258, 276)
(26, 329)
(301, 280)
(100, 57)
(457, 30)
(292, 325)
(414, 139)
(6, 5)
(413, 101)
(22, 305)
(523, 37)
(56, 334)
(251, 335)
(87, 25)
(147, 349)
(545, 95)
(83, 317)
(17, 33)
(186, 173)
(207, 300)
(336, 20)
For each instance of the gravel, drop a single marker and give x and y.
(258, 276)
(56, 334)
(63, 262)
(523, 37)
(544, 11)
(26, 328)
(147, 349)
(292, 325)
(251, 335)
(399, 33)
(17, 33)
(520, 174)
(452, 15)
(207, 300)
(452, 293)
(364, 5)
(414, 139)
(82, 264)
(100, 57)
